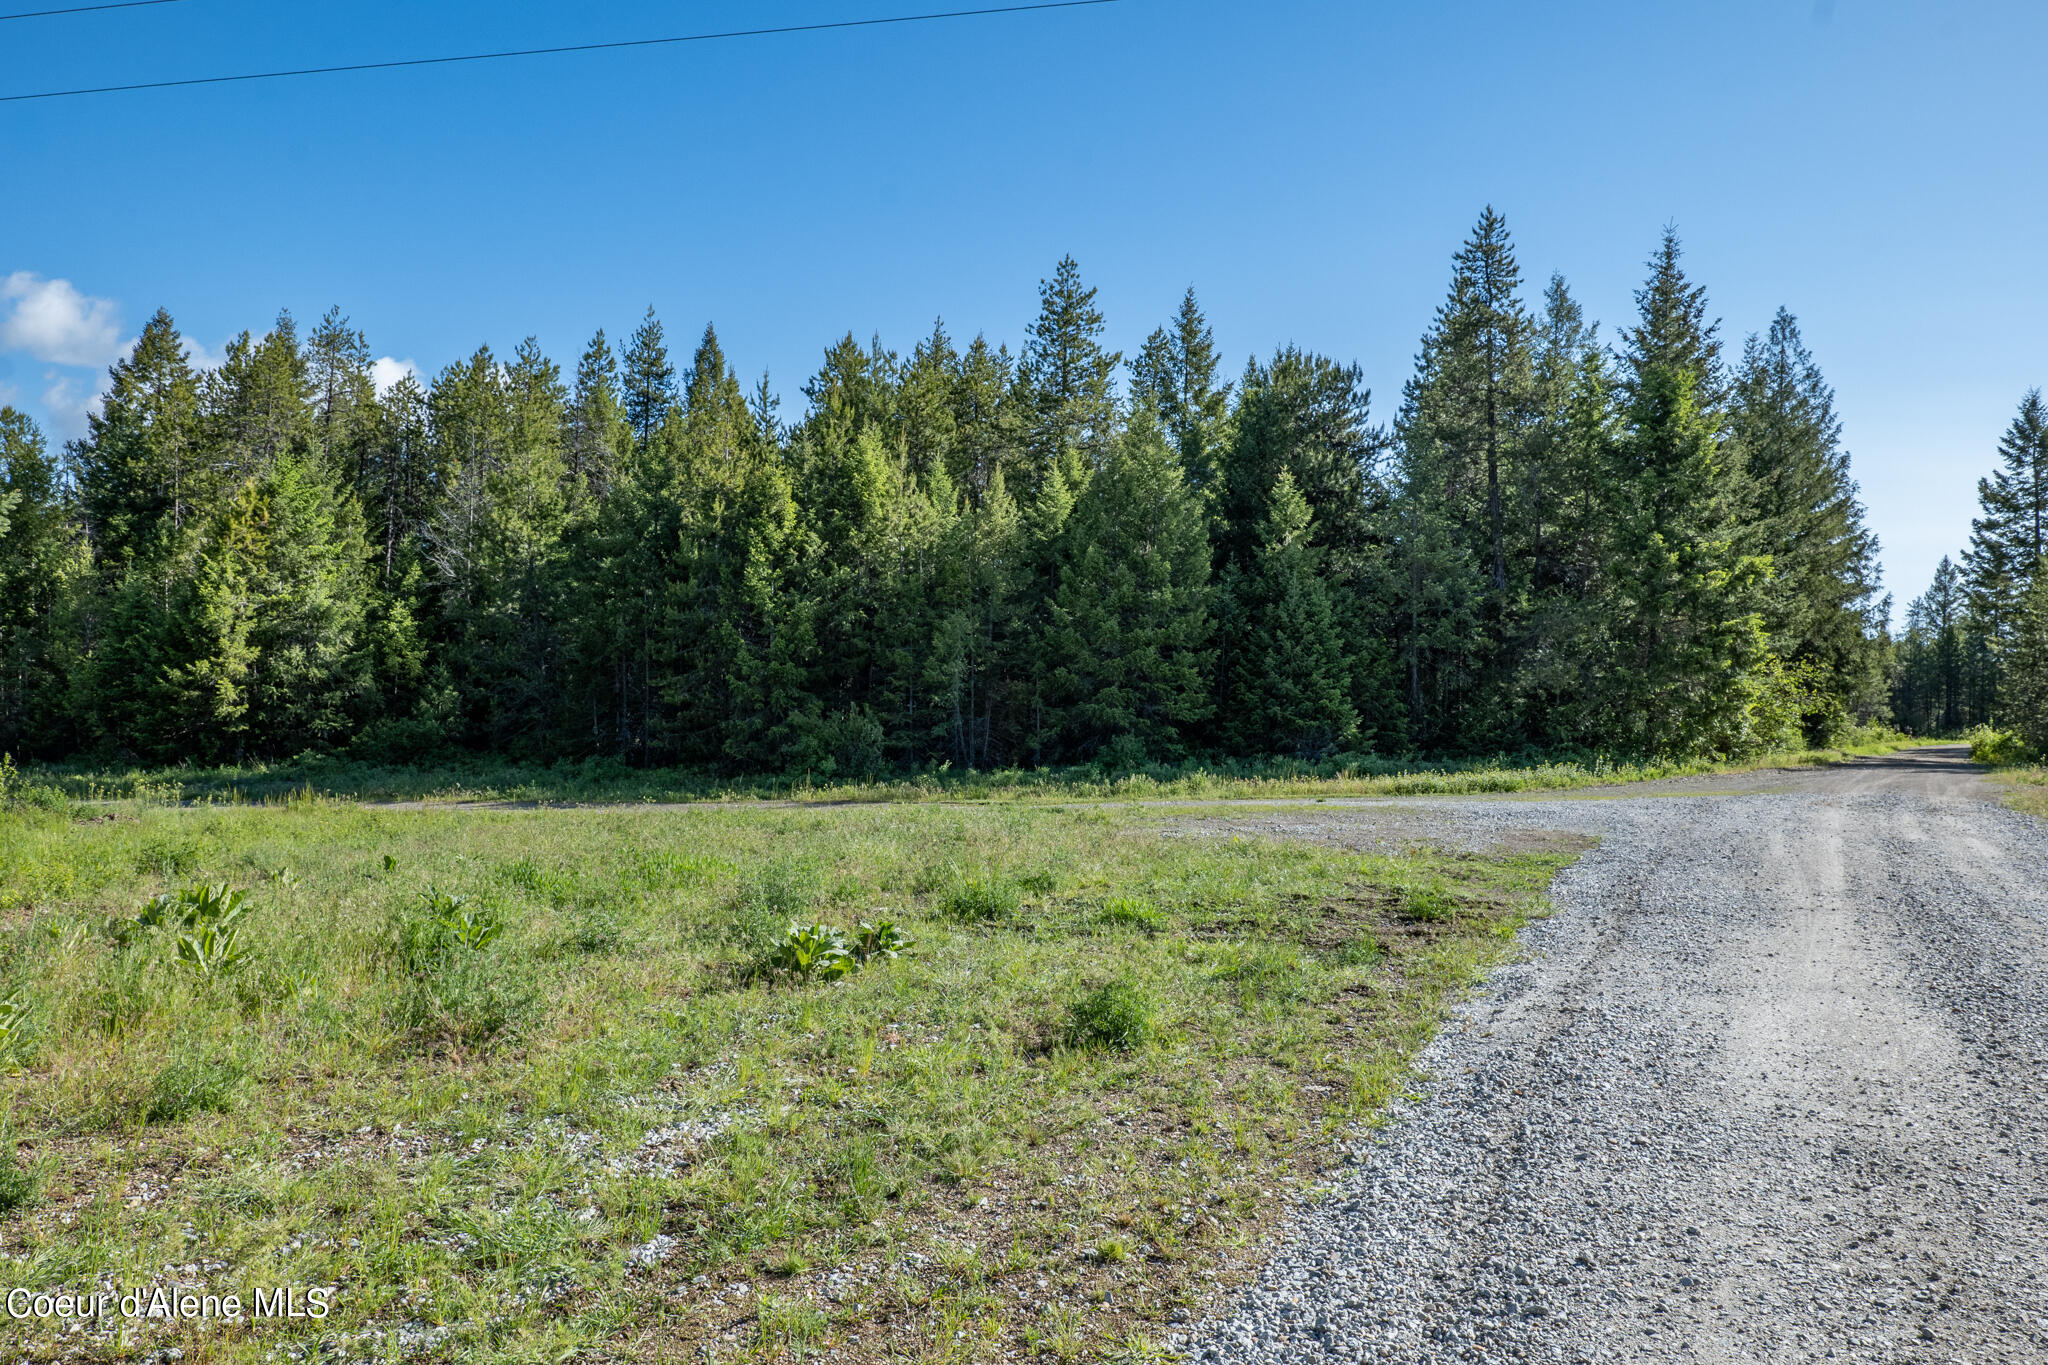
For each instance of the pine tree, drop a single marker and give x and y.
(2010, 538)
(39, 559)
(1932, 695)
(1308, 417)
(649, 382)
(875, 578)
(1672, 332)
(727, 646)
(337, 362)
(141, 463)
(975, 673)
(1176, 374)
(1285, 685)
(1068, 374)
(2025, 708)
(515, 645)
(257, 408)
(1126, 635)
(466, 416)
(855, 388)
(1466, 415)
(400, 476)
(1562, 501)
(1804, 515)
(271, 623)
(763, 403)
(596, 437)
(990, 430)
(925, 402)
(1686, 628)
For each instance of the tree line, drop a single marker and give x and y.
(960, 555)
(1975, 647)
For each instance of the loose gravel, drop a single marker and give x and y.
(1769, 1086)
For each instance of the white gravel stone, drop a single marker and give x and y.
(1768, 1087)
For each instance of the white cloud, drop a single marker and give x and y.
(9, 395)
(196, 354)
(385, 372)
(56, 324)
(66, 403)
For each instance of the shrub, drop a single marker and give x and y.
(16, 793)
(978, 900)
(187, 1087)
(1122, 754)
(1117, 1014)
(1998, 748)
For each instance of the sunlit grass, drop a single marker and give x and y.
(506, 1079)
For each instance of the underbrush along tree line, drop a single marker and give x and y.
(960, 556)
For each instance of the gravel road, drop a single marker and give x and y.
(1771, 1086)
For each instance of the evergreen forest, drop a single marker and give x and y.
(1551, 543)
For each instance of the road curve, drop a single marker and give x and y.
(1768, 1088)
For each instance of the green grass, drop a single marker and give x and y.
(2014, 766)
(2028, 789)
(519, 1085)
(608, 782)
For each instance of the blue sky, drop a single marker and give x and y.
(1878, 168)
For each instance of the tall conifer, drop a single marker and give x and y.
(2010, 537)
(1804, 514)
(1069, 374)
(649, 382)
(597, 437)
(1176, 374)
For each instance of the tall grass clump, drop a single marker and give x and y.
(980, 900)
(456, 989)
(1118, 1014)
(192, 1086)
(19, 1184)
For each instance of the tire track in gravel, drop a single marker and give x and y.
(1770, 1089)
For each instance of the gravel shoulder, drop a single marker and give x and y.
(1769, 1086)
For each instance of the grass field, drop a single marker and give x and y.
(531, 1085)
(2029, 789)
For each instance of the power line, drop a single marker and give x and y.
(84, 9)
(550, 51)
